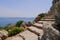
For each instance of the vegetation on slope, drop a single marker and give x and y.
(13, 29)
(42, 15)
(18, 24)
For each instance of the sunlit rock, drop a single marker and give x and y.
(3, 34)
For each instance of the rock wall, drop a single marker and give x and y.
(53, 33)
(57, 15)
(52, 9)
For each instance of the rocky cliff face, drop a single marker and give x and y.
(57, 13)
(52, 33)
(53, 7)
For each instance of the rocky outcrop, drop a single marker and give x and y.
(38, 31)
(51, 12)
(24, 24)
(55, 12)
(38, 18)
(57, 16)
(51, 34)
(3, 34)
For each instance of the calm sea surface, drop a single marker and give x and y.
(5, 21)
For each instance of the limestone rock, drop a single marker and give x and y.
(29, 35)
(38, 18)
(51, 34)
(3, 34)
(14, 38)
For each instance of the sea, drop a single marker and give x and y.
(7, 20)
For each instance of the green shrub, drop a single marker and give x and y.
(18, 24)
(7, 28)
(1, 28)
(14, 31)
(42, 15)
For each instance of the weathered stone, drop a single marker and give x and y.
(38, 18)
(39, 31)
(29, 23)
(24, 25)
(3, 34)
(14, 38)
(57, 15)
(37, 24)
(51, 34)
(29, 35)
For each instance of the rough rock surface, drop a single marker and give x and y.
(37, 24)
(50, 34)
(3, 34)
(38, 18)
(46, 33)
(29, 35)
(39, 31)
(14, 38)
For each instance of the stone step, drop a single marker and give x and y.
(45, 22)
(29, 35)
(33, 32)
(40, 26)
(40, 22)
(47, 19)
(38, 34)
(21, 36)
(14, 38)
(37, 31)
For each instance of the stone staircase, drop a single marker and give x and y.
(33, 32)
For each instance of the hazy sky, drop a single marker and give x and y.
(23, 8)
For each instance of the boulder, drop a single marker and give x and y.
(24, 25)
(3, 34)
(38, 18)
(51, 34)
(29, 23)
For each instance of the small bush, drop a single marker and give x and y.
(19, 23)
(14, 31)
(42, 15)
(7, 28)
(1, 28)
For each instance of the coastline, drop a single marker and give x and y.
(8, 20)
